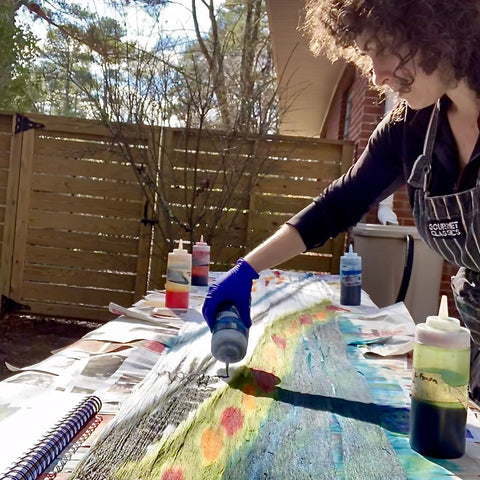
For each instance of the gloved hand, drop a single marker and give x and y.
(233, 287)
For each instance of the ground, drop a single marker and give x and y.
(25, 340)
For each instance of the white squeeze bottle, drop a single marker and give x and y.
(179, 273)
(439, 394)
(350, 278)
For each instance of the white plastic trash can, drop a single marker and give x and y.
(383, 252)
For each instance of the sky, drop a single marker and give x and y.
(176, 17)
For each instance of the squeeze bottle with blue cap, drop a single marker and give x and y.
(229, 336)
(439, 393)
(350, 278)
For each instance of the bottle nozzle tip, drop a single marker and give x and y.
(443, 310)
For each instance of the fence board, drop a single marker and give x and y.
(82, 296)
(88, 260)
(6, 121)
(211, 178)
(20, 213)
(212, 162)
(5, 158)
(3, 179)
(68, 310)
(84, 129)
(106, 207)
(5, 139)
(283, 204)
(83, 223)
(225, 256)
(79, 277)
(96, 169)
(87, 186)
(14, 160)
(83, 241)
(289, 186)
(68, 150)
(186, 198)
(310, 263)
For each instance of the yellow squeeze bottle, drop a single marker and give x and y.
(439, 395)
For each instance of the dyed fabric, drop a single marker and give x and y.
(303, 405)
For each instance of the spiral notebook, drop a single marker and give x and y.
(32, 463)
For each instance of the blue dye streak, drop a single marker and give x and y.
(314, 432)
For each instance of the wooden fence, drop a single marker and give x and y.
(79, 229)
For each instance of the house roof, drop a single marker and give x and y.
(306, 83)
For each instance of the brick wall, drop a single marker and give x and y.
(402, 208)
(366, 111)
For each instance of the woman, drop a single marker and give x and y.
(428, 52)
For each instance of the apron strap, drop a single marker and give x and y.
(420, 174)
(429, 141)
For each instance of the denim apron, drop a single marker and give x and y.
(450, 225)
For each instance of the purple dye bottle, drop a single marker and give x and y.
(200, 263)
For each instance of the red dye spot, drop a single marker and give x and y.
(306, 319)
(336, 309)
(249, 389)
(279, 340)
(232, 420)
(266, 381)
(154, 346)
(173, 474)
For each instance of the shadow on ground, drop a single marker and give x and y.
(25, 339)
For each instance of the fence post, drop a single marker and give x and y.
(17, 206)
(144, 253)
(160, 245)
(147, 227)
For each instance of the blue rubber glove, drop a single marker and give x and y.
(233, 287)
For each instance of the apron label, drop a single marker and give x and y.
(449, 229)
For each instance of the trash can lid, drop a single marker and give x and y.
(391, 231)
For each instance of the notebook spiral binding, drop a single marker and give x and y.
(34, 462)
(73, 448)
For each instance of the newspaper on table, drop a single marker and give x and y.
(385, 331)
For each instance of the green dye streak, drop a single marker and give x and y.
(181, 450)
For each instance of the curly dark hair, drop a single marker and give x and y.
(444, 33)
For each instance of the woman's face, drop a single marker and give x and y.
(425, 88)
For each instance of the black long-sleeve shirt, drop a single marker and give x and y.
(383, 167)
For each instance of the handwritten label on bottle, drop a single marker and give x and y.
(430, 386)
